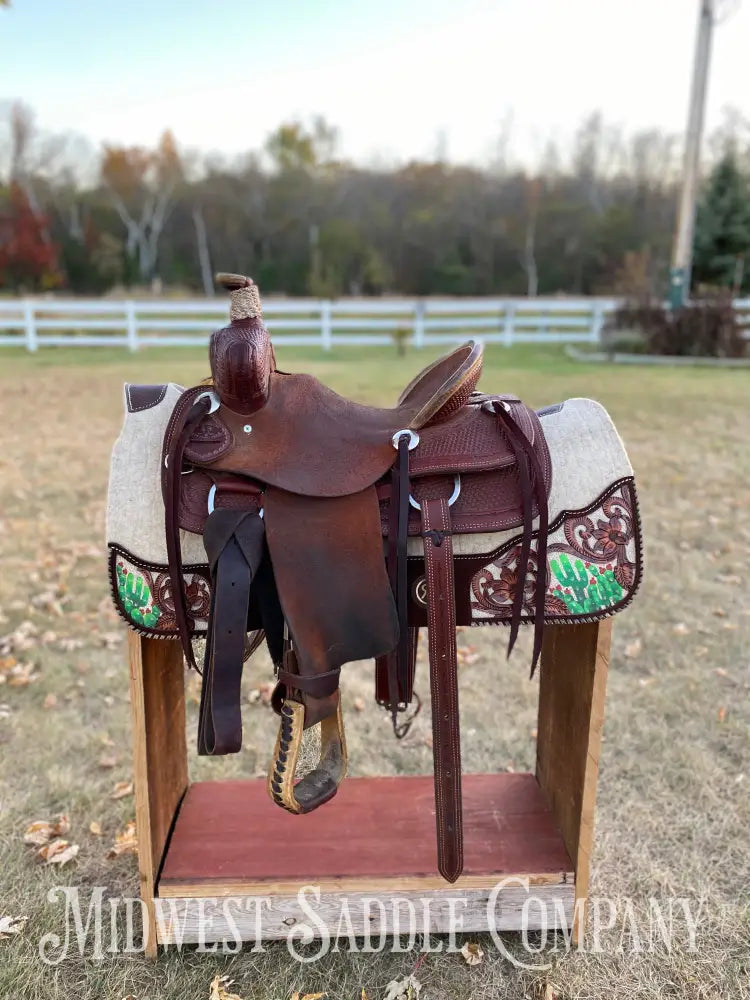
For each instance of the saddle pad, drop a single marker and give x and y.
(594, 560)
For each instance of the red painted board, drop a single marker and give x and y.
(230, 831)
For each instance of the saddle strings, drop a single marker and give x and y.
(174, 453)
(399, 662)
(532, 490)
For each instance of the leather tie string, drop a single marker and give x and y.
(173, 458)
(531, 481)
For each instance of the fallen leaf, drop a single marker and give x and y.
(126, 842)
(11, 925)
(21, 675)
(403, 989)
(719, 613)
(95, 828)
(121, 790)
(107, 760)
(633, 649)
(359, 704)
(50, 701)
(111, 640)
(721, 714)
(59, 852)
(41, 831)
(220, 989)
(68, 645)
(472, 953)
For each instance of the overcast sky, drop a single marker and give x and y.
(392, 75)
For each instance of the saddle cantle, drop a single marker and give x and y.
(337, 530)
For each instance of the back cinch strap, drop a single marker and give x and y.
(397, 663)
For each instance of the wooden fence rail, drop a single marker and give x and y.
(41, 322)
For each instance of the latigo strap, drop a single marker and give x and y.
(446, 742)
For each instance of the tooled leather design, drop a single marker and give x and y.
(435, 392)
(471, 445)
(241, 363)
(488, 501)
(459, 398)
(195, 487)
(470, 441)
(210, 439)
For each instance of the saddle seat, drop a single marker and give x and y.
(310, 441)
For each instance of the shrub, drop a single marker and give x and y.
(703, 328)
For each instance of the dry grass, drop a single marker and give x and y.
(673, 814)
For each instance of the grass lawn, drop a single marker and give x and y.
(673, 815)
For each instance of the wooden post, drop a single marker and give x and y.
(326, 336)
(575, 660)
(157, 699)
(510, 313)
(597, 321)
(132, 326)
(30, 325)
(419, 315)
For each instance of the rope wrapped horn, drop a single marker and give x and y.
(245, 298)
(241, 354)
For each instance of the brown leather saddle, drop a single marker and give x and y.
(307, 502)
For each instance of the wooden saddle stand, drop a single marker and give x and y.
(335, 531)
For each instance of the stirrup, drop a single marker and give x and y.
(320, 784)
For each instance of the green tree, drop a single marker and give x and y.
(722, 228)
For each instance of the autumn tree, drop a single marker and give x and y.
(28, 259)
(142, 185)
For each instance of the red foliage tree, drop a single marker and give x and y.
(28, 258)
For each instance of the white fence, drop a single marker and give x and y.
(34, 323)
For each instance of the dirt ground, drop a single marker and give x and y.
(673, 813)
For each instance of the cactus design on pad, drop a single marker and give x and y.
(583, 587)
(592, 565)
(136, 597)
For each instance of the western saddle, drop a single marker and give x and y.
(329, 529)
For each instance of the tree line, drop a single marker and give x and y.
(305, 221)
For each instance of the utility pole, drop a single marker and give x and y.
(682, 250)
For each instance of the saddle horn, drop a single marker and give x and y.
(241, 354)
